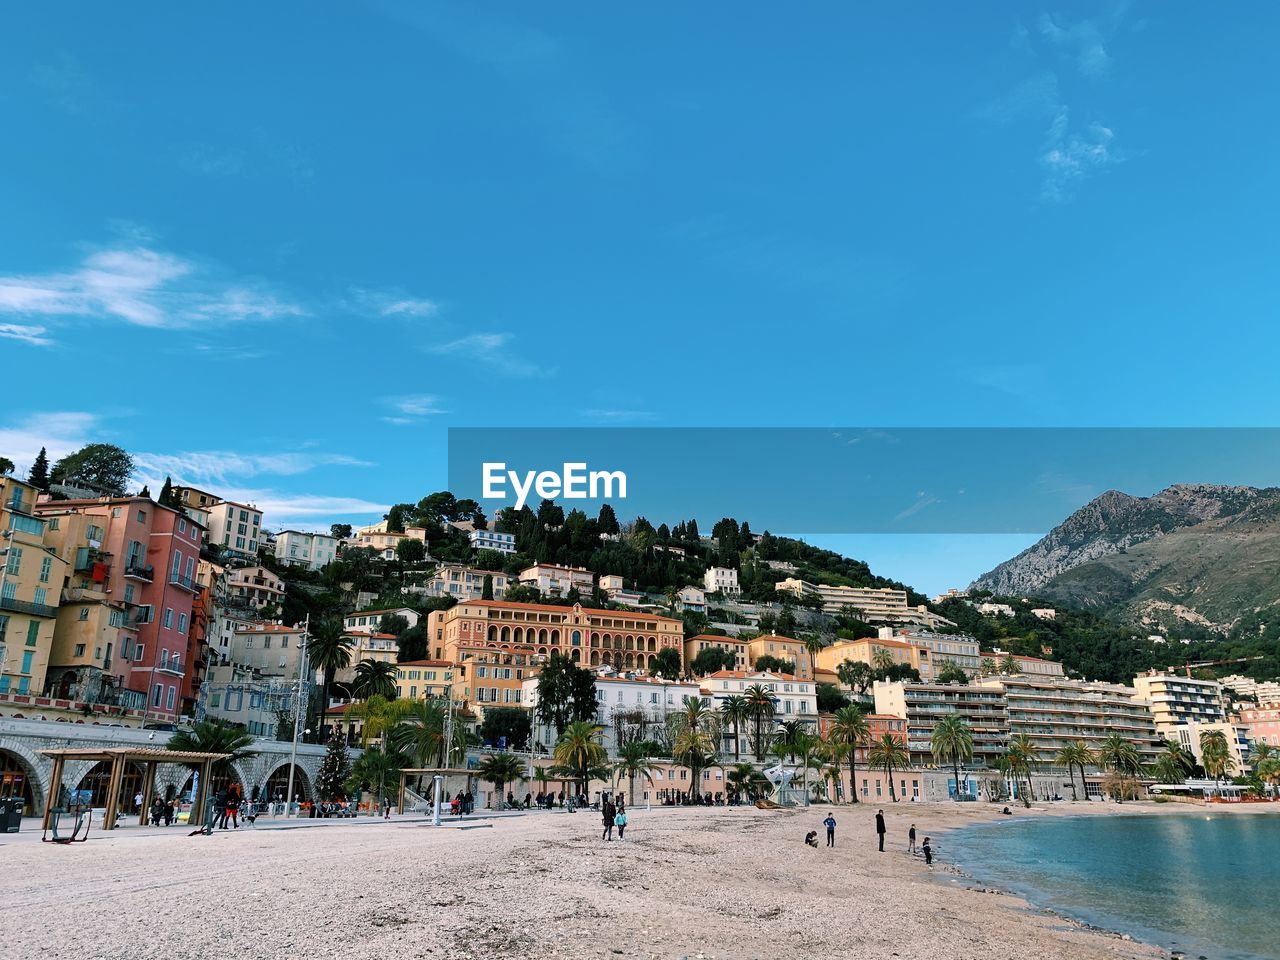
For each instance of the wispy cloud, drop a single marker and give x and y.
(141, 286)
(1082, 42)
(1035, 96)
(282, 508)
(390, 303)
(413, 409)
(221, 466)
(24, 333)
(492, 350)
(619, 416)
(59, 432)
(260, 154)
(1070, 157)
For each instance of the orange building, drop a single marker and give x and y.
(498, 631)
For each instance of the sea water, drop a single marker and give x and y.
(1203, 884)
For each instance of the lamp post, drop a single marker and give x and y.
(4, 573)
(297, 710)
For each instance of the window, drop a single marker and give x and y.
(128, 593)
(46, 567)
(79, 650)
(42, 595)
(169, 701)
(157, 694)
(182, 526)
(84, 613)
(33, 634)
(182, 623)
(142, 518)
(168, 618)
(14, 566)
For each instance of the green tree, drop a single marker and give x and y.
(340, 531)
(1020, 756)
(375, 769)
(747, 782)
(410, 551)
(735, 710)
(486, 591)
(695, 733)
(855, 675)
(607, 521)
(849, 728)
(1215, 754)
(374, 677)
(500, 769)
(510, 722)
(830, 698)
(775, 664)
(815, 645)
(335, 768)
(952, 742)
(888, 754)
(215, 736)
(6, 466)
(666, 664)
(393, 623)
(633, 763)
(952, 672)
(711, 659)
(579, 754)
(167, 499)
(38, 475)
(1075, 755)
(1172, 765)
(103, 467)
(566, 693)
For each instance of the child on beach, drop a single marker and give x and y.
(911, 840)
(830, 824)
(620, 821)
(811, 838)
(928, 854)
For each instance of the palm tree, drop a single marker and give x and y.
(806, 747)
(746, 780)
(849, 728)
(374, 769)
(1172, 765)
(1074, 755)
(374, 678)
(952, 742)
(888, 754)
(419, 733)
(377, 716)
(1009, 665)
(735, 710)
(1122, 758)
(788, 733)
(695, 734)
(633, 762)
(580, 755)
(328, 651)
(215, 736)
(834, 753)
(500, 769)
(1021, 754)
(760, 701)
(1215, 754)
(814, 645)
(882, 659)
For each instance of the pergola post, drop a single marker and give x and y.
(400, 799)
(113, 792)
(55, 791)
(148, 791)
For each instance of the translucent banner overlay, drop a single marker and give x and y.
(856, 479)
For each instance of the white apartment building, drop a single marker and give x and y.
(936, 650)
(309, 550)
(552, 580)
(1028, 666)
(254, 587)
(639, 706)
(463, 582)
(367, 621)
(492, 540)
(794, 698)
(995, 609)
(1177, 700)
(1045, 613)
(236, 527)
(691, 600)
(1264, 691)
(722, 580)
(873, 604)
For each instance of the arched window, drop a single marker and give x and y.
(577, 638)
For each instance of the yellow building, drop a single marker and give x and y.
(704, 641)
(423, 679)
(872, 651)
(784, 648)
(31, 577)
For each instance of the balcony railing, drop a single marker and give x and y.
(186, 583)
(15, 605)
(137, 571)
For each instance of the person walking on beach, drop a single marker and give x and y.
(880, 828)
(607, 815)
(911, 840)
(830, 824)
(620, 821)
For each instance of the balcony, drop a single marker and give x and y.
(15, 605)
(136, 571)
(186, 583)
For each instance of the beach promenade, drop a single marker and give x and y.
(689, 882)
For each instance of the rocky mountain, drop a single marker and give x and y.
(1192, 553)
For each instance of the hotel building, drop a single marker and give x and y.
(236, 528)
(31, 579)
(935, 650)
(463, 582)
(722, 580)
(308, 550)
(922, 705)
(552, 580)
(884, 605)
(794, 698)
(1176, 701)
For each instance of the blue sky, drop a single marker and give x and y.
(278, 249)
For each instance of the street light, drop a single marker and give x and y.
(297, 709)
(4, 573)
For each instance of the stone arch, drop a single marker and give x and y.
(542, 635)
(652, 659)
(36, 771)
(277, 780)
(577, 655)
(493, 634)
(555, 636)
(595, 658)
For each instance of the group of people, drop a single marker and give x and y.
(462, 803)
(613, 812)
(811, 838)
(163, 811)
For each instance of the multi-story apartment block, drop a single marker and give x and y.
(1176, 701)
(492, 540)
(309, 550)
(370, 621)
(873, 604)
(148, 556)
(794, 698)
(1055, 712)
(922, 705)
(1188, 735)
(31, 579)
(783, 648)
(739, 648)
(424, 679)
(622, 639)
(196, 503)
(236, 528)
(256, 588)
(552, 580)
(1028, 666)
(873, 651)
(934, 651)
(1262, 724)
(463, 582)
(631, 706)
(721, 580)
(1261, 691)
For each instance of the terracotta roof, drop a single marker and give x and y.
(748, 674)
(362, 613)
(426, 663)
(776, 636)
(271, 628)
(713, 638)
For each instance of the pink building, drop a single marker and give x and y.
(1263, 723)
(148, 556)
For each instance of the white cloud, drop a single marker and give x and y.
(412, 409)
(219, 466)
(140, 286)
(1082, 41)
(491, 349)
(26, 334)
(281, 508)
(61, 433)
(390, 303)
(410, 308)
(1069, 157)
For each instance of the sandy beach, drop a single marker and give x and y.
(701, 883)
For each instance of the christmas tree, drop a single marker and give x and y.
(335, 769)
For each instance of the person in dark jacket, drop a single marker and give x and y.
(880, 828)
(607, 811)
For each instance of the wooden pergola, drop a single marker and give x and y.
(429, 772)
(119, 757)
